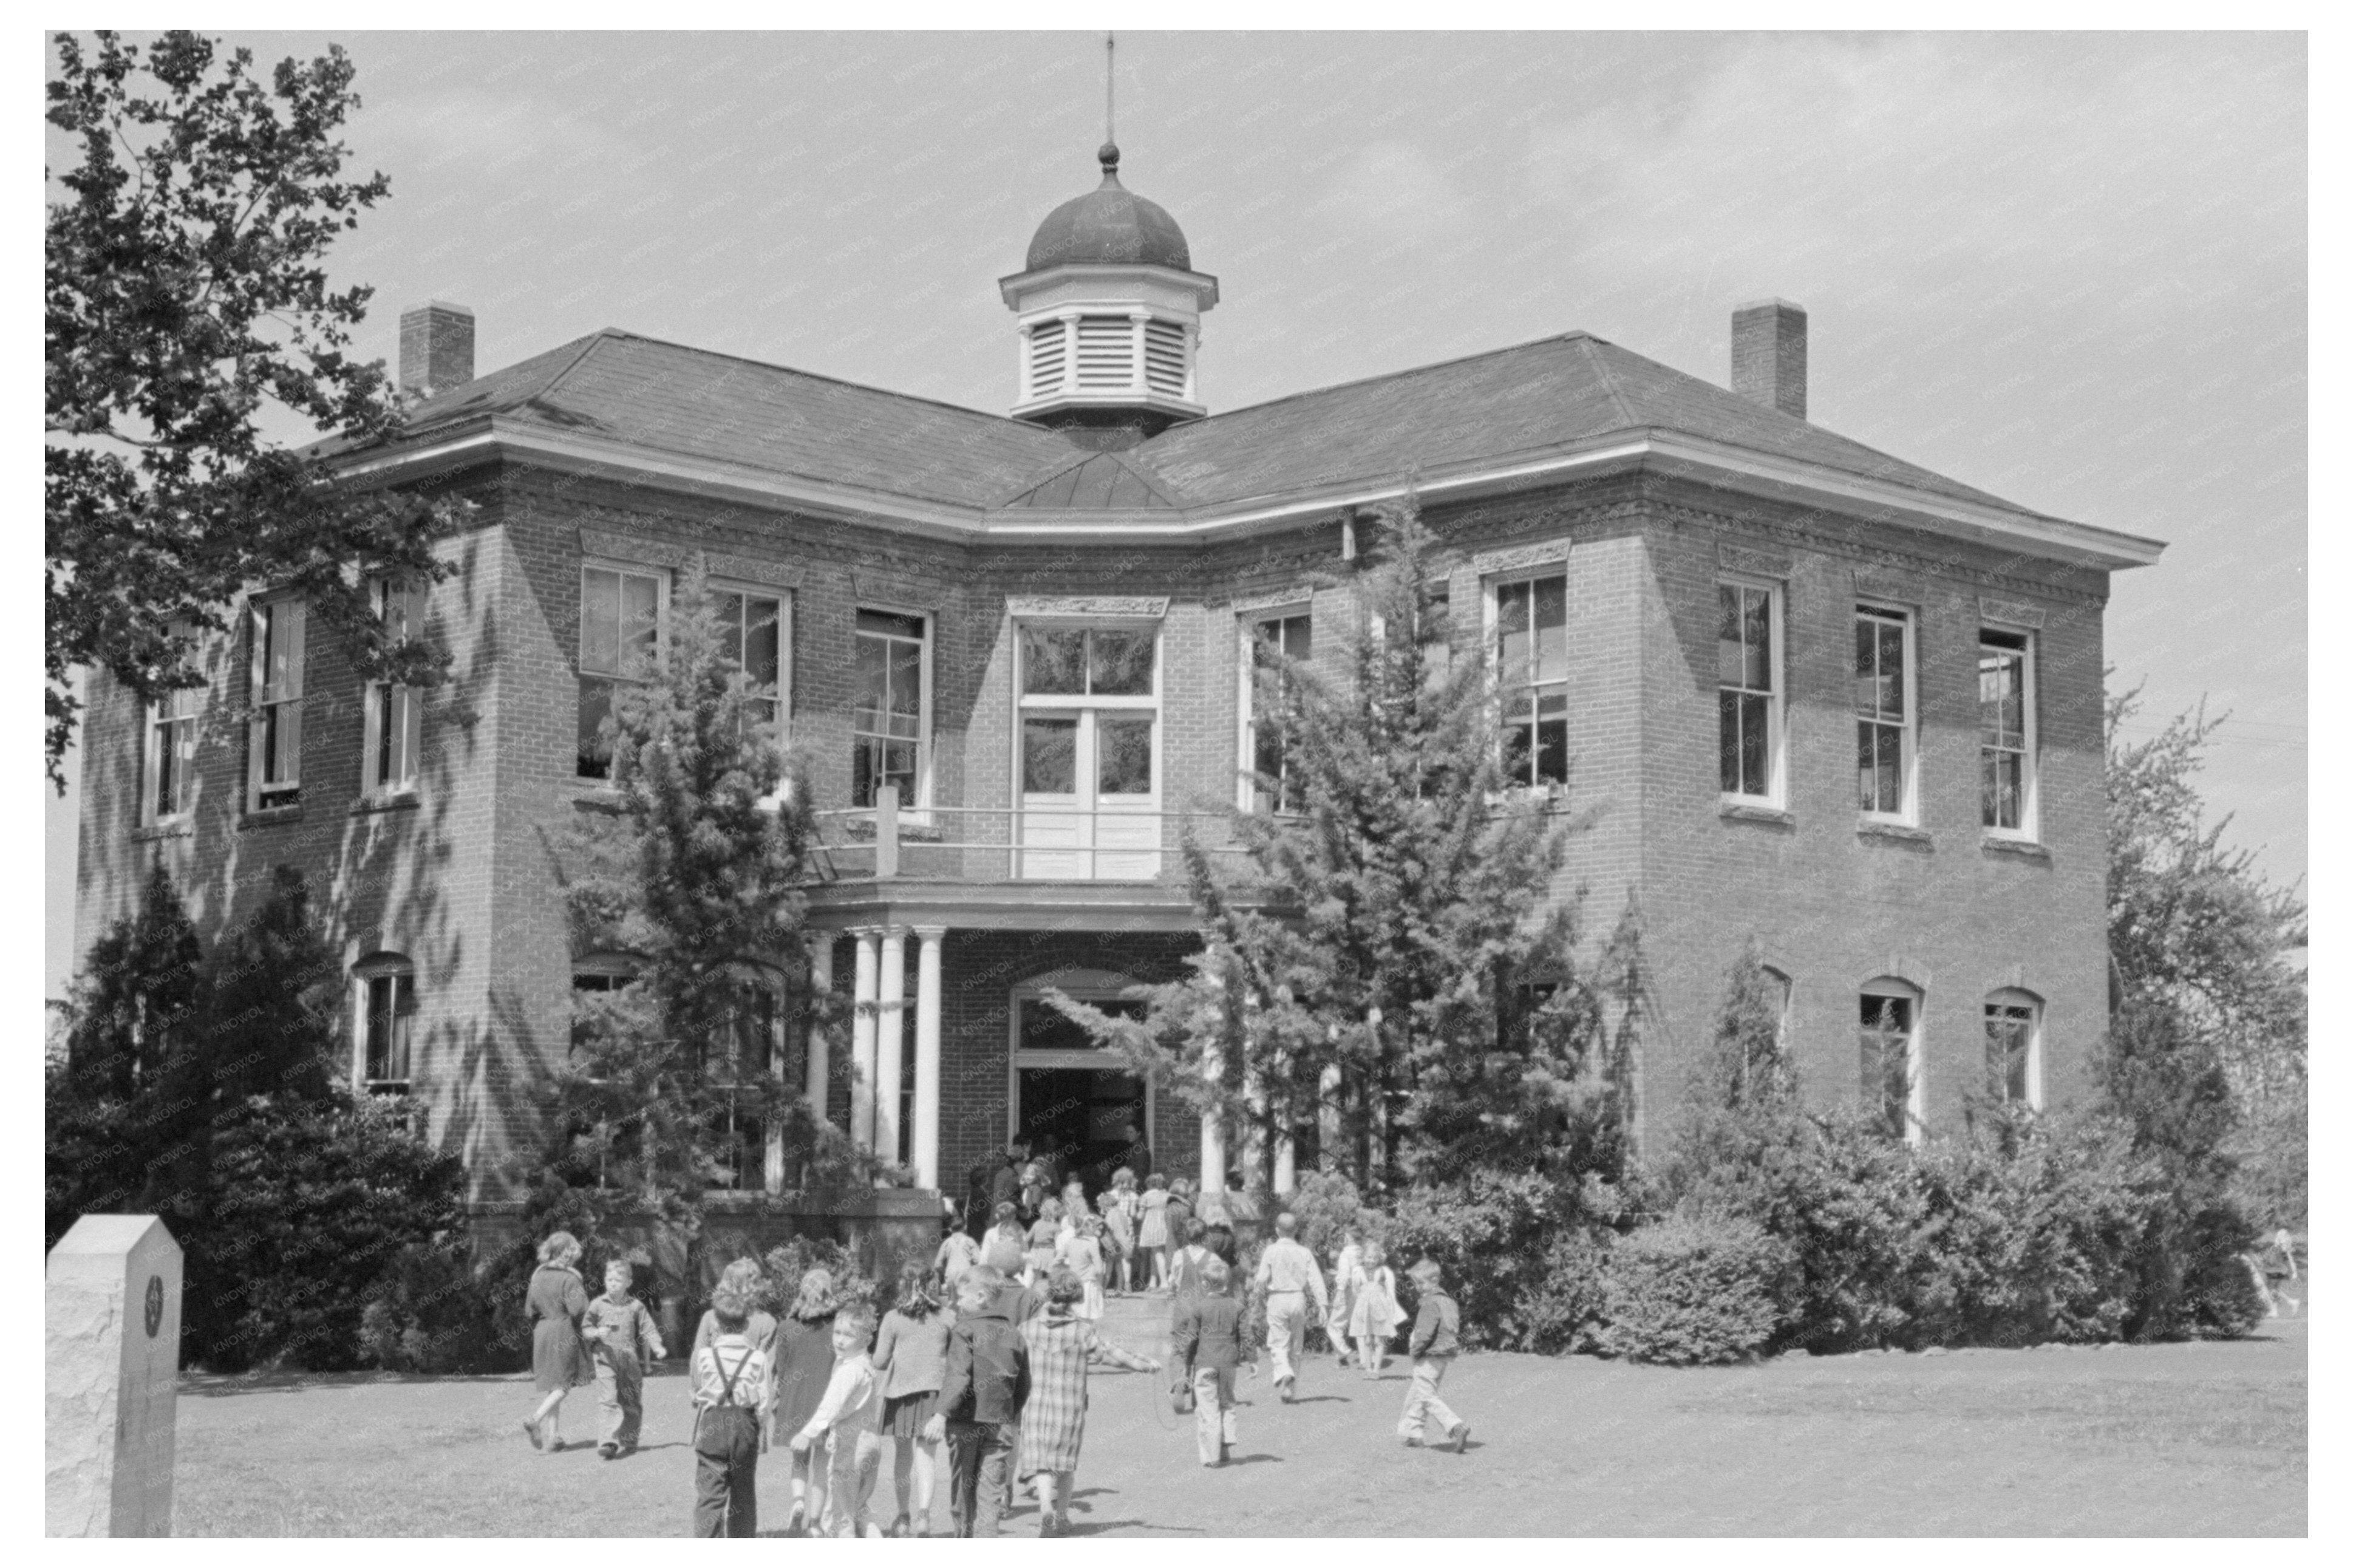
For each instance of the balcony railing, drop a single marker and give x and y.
(1008, 844)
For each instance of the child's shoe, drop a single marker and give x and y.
(900, 1527)
(797, 1521)
(608, 1451)
(531, 1430)
(1462, 1438)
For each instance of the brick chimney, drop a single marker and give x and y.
(1768, 354)
(437, 348)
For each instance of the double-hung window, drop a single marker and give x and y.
(393, 714)
(2006, 732)
(274, 746)
(1748, 691)
(755, 632)
(1530, 619)
(891, 724)
(1884, 728)
(1269, 640)
(168, 753)
(2013, 1032)
(385, 987)
(747, 1047)
(1890, 1056)
(621, 613)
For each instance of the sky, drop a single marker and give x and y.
(2068, 268)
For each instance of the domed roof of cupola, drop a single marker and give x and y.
(1110, 223)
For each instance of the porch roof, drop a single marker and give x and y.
(1035, 906)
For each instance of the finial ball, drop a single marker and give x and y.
(1108, 156)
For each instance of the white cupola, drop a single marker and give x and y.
(1110, 313)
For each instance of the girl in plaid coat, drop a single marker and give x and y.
(1054, 1422)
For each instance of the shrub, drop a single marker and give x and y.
(433, 1311)
(1493, 1233)
(782, 1270)
(1562, 1310)
(1691, 1292)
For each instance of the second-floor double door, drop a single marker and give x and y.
(1089, 796)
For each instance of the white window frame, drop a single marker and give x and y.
(178, 711)
(271, 619)
(920, 813)
(1091, 986)
(783, 693)
(662, 580)
(1246, 792)
(399, 710)
(771, 1131)
(2029, 824)
(1916, 1102)
(1908, 812)
(364, 975)
(1776, 701)
(1490, 593)
(1088, 707)
(2012, 997)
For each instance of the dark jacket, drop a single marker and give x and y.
(988, 1366)
(1434, 1325)
(1206, 1331)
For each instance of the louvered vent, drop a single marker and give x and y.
(1046, 359)
(1106, 353)
(1164, 357)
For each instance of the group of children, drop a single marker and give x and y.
(985, 1350)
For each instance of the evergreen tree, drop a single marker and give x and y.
(138, 995)
(673, 1087)
(1393, 929)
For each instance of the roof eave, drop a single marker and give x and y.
(1692, 457)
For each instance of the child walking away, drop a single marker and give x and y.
(1118, 1205)
(1375, 1314)
(731, 1380)
(1081, 1252)
(1055, 1420)
(1152, 1228)
(1432, 1347)
(980, 1403)
(622, 1333)
(1344, 1289)
(559, 1356)
(804, 1368)
(1288, 1274)
(911, 1357)
(1206, 1339)
(958, 1251)
(846, 1416)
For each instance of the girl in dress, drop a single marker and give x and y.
(1075, 1205)
(1081, 1252)
(1007, 1231)
(1043, 1236)
(1119, 1210)
(1375, 1314)
(804, 1366)
(559, 1356)
(1054, 1422)
(910, 1364)
(1345, 1270)
(1151, 1229)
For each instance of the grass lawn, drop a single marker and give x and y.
(2191, 1439)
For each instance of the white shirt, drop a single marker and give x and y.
(848, 1404)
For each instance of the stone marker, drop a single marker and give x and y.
(112, 1324)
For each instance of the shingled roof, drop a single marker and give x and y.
(1489, 408)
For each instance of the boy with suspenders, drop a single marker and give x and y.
(731, 1380)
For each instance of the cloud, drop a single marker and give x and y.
(1394, 187)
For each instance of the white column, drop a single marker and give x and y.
(1213, 1131)
(1286, 1156)
(1254, 1128)
(820, 1068)
(889, 1043)
(926, 1156)
(861, 1044)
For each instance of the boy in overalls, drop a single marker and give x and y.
(731, 1379)
(621, 1331)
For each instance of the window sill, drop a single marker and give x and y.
(1895, 832)
(595, 795)
(179, 828)
(274, 817)
(368, 804)
(2016, 849)
(1747, 812)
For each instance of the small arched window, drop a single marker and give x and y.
(1888, 1035)
(2013, 1035)
(385, 984)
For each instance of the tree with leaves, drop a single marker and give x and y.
(1391, 955)
(186, 304)
(676, 1081)
(2198, 934)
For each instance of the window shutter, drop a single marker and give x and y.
(1106, 354)
(1046, 359)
